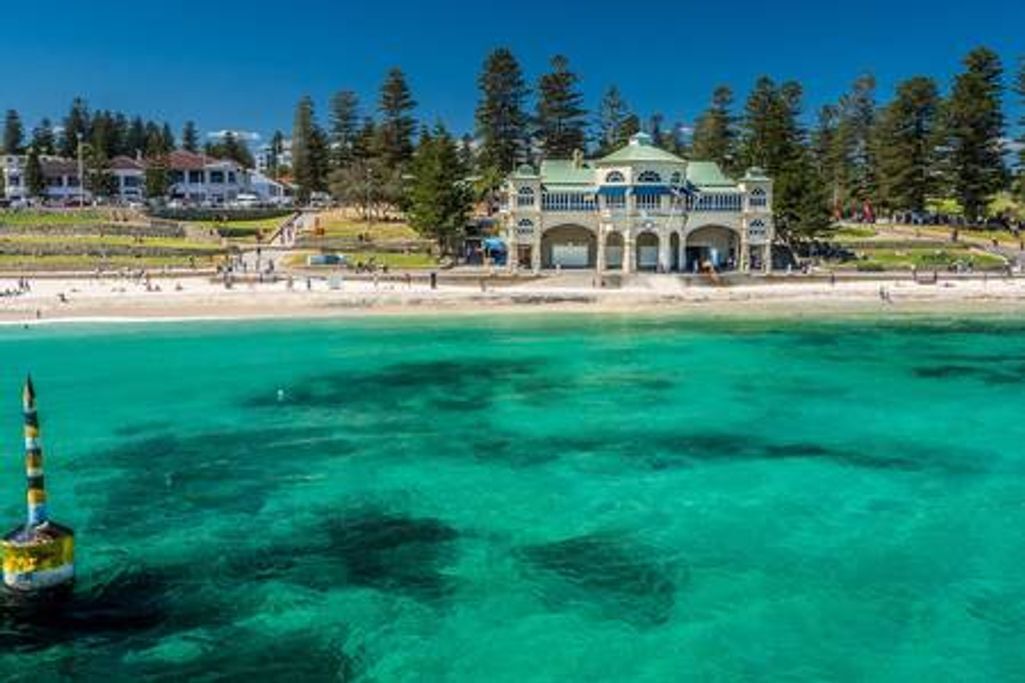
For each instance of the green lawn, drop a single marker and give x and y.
(854, 232)
(72, 241)
(922, 259)
(378, 232)
(390, 259)
(252, 224)
(977, 235)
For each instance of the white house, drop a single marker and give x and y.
(195, 178)
(198, 178)
(638, 209)
(270, 190)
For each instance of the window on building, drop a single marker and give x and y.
(131, 181)
(525, 197)
(759, 200)
(675, 178)
(525, 228)
(757, 230)
(615, 201)
(614, 177)
(195, 177)
(54, 181)
(231, 177)
(216, 176)
(177, 176)
(72, 181)
(649, 177)
(14, 181)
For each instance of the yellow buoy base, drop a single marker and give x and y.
(39, 558)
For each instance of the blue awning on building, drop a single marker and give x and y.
(690, 188)
(612, 191)
(649, 190)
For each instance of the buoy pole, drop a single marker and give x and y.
(40, 554)
(33, 459)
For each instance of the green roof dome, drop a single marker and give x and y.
(640, 149)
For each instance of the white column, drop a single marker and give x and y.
(663, 253)
(628, 252)
(600, 265)
(513, 255)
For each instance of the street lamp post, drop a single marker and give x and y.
(370, 219)
(81, 175)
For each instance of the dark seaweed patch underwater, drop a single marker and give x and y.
(525, 500)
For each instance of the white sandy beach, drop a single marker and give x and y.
(112, 299)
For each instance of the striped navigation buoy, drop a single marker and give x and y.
(40, 554)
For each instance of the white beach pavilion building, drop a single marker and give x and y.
(638, 209)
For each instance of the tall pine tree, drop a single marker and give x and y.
(309, 151)
(855, 170)
(136, 142)
(277, 148)
(905, 141)
(395, 132)
(35, 183)
(76, 128)
(43, 139)
(823, 151)
(561, 117)
(715, 132)
(190, 137)
(14, 133)
(613, 112)
(344, 127)
(975, 123)
(439, 196)
(1019, 89)
(772, 139)
(501, 119)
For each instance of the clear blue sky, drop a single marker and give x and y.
(243, 65)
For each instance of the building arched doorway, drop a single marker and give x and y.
(568, 246)
(614, 251)
(647, 251)
(715, 245)
(674, 252)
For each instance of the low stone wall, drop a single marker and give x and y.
(167, 230)
(99, 250)
(226, 215)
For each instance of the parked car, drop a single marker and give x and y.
(326, 260)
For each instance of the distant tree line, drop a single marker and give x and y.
(106, 134)
(858, 156)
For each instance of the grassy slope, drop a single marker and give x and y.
(35, 230)
(43, 219)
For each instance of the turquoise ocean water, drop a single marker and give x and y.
(595, 499)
